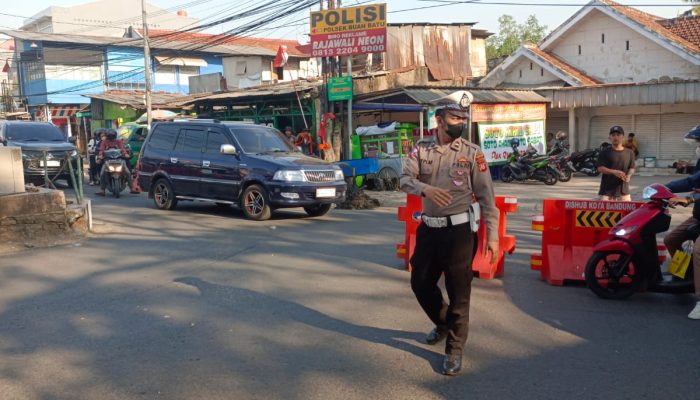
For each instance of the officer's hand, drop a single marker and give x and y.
(493, 248)
(438, 196)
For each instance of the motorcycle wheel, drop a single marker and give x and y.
(565, 175)
(507, 174)
(116, 187)
(551, 176)
(610, 275)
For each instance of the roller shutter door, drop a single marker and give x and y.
(600, 127)
(646, 131)
(673, 128)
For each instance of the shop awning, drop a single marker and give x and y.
(64, 111)
(387, 107)
(181, 61)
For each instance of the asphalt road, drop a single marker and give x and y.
(201, 303)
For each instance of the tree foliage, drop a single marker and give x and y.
(696, 9)
(511, 34)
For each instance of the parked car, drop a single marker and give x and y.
(252, 166)
(133, 134)
(35, 138)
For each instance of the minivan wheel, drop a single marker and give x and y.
(255, 204)
(163, 195)
(317, 210)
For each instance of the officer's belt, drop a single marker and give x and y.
(444, 222)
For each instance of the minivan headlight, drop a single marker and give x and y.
(74, 153)
(289, 176)
(339, 175)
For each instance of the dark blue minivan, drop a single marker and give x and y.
(252, 166)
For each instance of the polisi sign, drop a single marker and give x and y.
(348, 31)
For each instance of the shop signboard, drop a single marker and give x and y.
(348, 31)
(508, 112)
(494, 138)
(340, 88)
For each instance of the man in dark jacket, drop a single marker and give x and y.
(675, 239)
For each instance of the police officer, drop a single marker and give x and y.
(450, 174)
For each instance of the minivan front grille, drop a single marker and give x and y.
(320, 176)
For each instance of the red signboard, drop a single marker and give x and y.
(348, 31)
(508, 112)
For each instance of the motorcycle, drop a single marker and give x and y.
(529, 167)
(629, 260)
(116, 171)
(560, 160)
(585, 161)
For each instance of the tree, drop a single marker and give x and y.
(511, 35)
(696, 9)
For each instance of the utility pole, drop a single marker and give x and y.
(147, 63)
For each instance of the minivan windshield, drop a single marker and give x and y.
(261, 139)
(34, 132)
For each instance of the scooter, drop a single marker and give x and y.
(529, 166)
(116, 172)
(628, 261)
(585, 161)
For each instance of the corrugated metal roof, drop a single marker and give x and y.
(136, 99)
(624, 95)
(423, 95)
(257, 91)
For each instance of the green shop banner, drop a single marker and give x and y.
(340, 88)
(494, 139)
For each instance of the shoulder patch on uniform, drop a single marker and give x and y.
(481, 161)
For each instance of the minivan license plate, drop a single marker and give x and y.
(50, 163)
(325, 192)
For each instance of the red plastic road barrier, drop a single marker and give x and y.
(410, 214)
(570, 229)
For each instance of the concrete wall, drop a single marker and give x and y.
(610, 62)
(105, 18)
(528, 72)
(39, 219)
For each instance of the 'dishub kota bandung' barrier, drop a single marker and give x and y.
(411, 212)
(570, 230)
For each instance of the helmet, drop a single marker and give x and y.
(99, 132)
(515, 142)
(561, 135)
(693, 136)
(111, 134)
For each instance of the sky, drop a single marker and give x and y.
(549, 12)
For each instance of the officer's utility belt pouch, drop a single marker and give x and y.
(475, 216)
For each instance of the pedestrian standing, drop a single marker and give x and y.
(632, 144)
(305, 141)
(452, 176)
(617, 165)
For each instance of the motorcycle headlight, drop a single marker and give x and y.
(648, 192)
(289, 176)
(625, 231)
(114, 168)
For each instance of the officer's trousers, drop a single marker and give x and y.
(449, 250)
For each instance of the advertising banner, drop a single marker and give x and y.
(508, 112)
(348, 31)
(494, 139)
(340, 88)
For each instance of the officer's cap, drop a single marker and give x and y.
(456, 103)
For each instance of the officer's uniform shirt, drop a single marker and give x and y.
(460, 168)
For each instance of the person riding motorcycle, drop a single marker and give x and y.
(113, 143)
(675, 239)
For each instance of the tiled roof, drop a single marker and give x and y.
(294, 48)
(686, 27)
(561, 65)
(653, 23)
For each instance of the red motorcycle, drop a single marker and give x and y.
(628, 261)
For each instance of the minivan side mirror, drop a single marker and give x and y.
(228, 149)
(72, 139)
